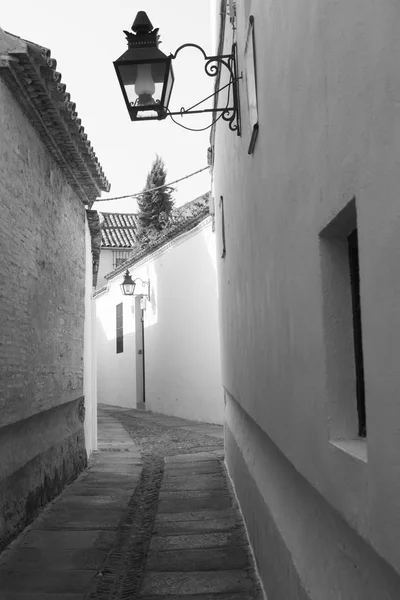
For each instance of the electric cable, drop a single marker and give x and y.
(160, 187)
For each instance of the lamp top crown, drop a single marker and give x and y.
(142, 23)
(144, 34)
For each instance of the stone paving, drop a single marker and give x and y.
(198, 547)
(138, 525)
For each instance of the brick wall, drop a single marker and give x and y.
(42, 280)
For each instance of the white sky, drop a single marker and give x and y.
(85, 37)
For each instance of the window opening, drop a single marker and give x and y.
(119, 256)
(352, 240)
(221, 203)
(119, 328)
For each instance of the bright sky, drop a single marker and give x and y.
(85, 37)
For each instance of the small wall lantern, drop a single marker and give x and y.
(146, 77)
(128, 285)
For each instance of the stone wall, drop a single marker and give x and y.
(42, 272)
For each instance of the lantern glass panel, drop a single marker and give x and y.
(128, 287)
(143, 83)
(168, 86)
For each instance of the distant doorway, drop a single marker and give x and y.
(140, 355)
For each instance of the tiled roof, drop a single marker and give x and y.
(118, 230)
(184, 219)
(30, 72)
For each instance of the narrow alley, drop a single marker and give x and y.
(152, 517)
(200, 332)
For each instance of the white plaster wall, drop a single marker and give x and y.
(105, 266)
(328, 95)
(116, 373)
(89, 373)
(183, 367)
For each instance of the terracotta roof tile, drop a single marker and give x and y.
(118, 230)
(30, 72)
(184, 219)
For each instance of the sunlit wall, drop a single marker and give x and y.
(181, 331)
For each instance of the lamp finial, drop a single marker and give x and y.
(142, 23)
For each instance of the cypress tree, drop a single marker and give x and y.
(155, 207)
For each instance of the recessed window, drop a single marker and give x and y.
(352, 241)
(340, 274)
(251, 83)
(221, 205)
(119, 328)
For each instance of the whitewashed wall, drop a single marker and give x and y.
(116, 373)
(328, 91)
(105, 266)
(182, 352)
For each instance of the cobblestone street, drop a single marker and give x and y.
(152, 517)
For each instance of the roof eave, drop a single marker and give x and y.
(185, 228)
(30, 73)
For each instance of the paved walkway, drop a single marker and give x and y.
(133, 527)
(58, 555)
(198, 548)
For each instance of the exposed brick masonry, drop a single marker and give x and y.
(42, 273)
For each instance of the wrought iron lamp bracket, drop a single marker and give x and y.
(144, 284)
(212, 67)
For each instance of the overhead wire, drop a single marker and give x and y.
(160, 187)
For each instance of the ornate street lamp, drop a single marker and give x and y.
(128, 285)
(144, 72)
(146, 77)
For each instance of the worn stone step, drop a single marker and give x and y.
(198, 526)
(43, 596)
(251, 595)
(194, 504)
(215, 455)
(87, 517)
(178, 494)
(75, 503)
(115, 479)
(209, 559)
(55, 558)
(49, 581)
(208, 466)
(200, 582)
(194, 515)
(199, 482)
(65, 539)
(91, 490)
(197, 540)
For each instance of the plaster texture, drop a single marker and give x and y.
(181, 333)
(42, 269)
(328, 100)
(105, 266)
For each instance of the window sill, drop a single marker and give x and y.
(356, 448)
